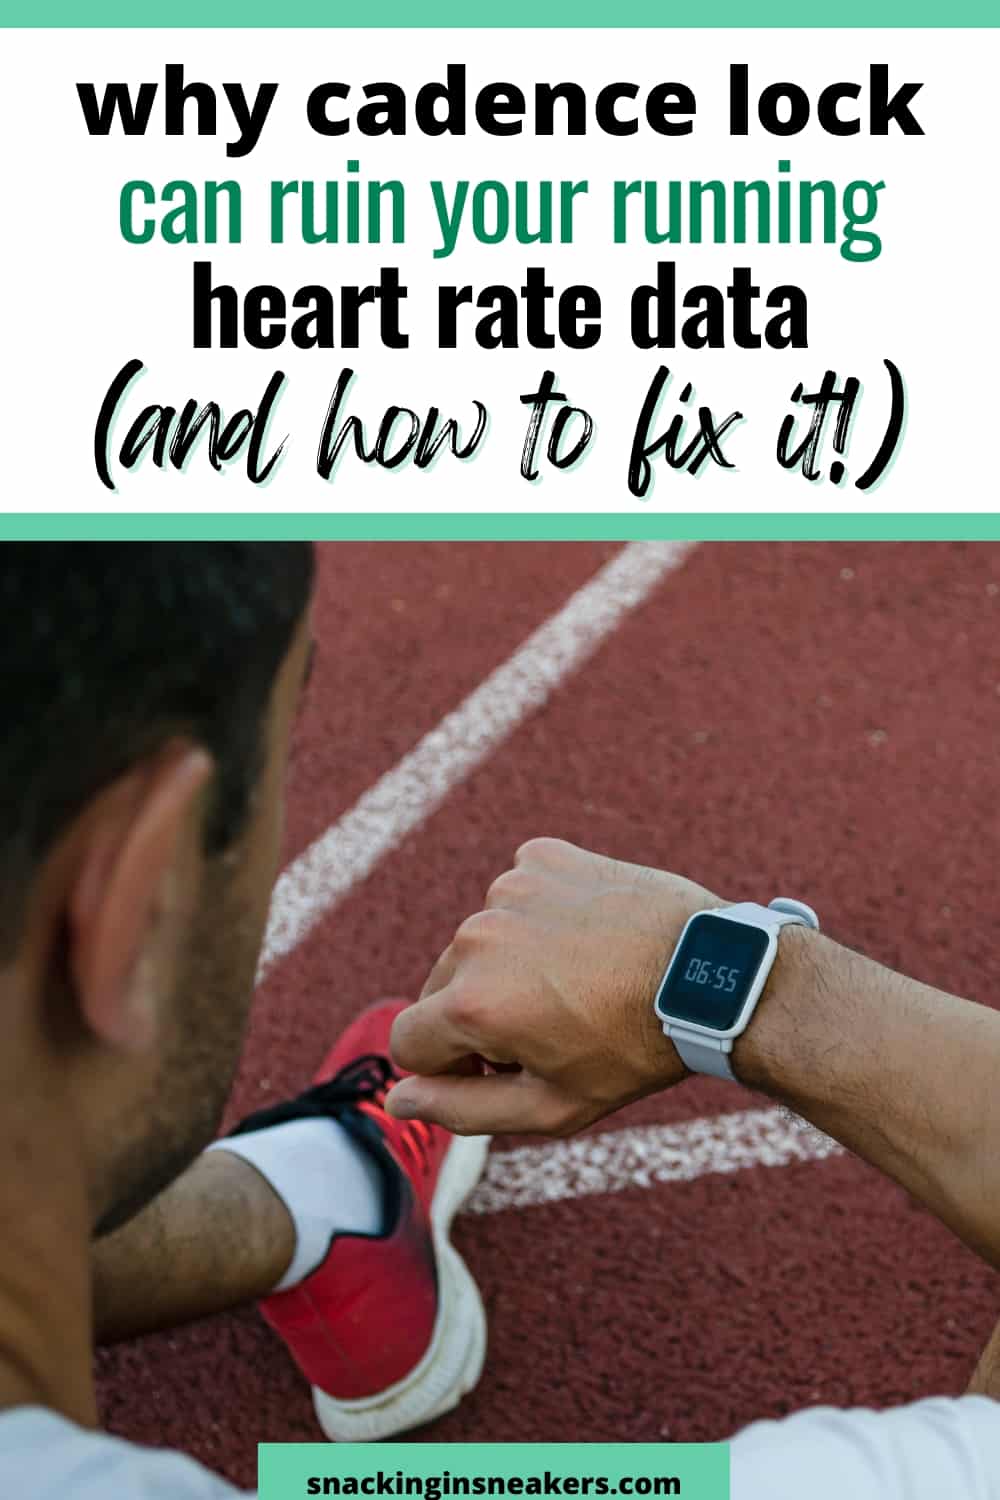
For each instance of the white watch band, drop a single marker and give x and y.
(703, 1054)
(707, 1054)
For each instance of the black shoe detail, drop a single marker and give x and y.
(362, 1080)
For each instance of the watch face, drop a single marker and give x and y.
(712, 972)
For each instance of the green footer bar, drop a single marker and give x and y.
(505, 1471)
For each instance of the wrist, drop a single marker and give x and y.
(772, 1053)
(726, 960)
(673, 903)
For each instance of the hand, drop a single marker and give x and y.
(552, 986)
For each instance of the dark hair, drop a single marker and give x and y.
(108, 650)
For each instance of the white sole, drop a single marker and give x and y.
(454, 1358)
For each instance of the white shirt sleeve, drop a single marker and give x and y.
(45, 1457)
(933, 1450)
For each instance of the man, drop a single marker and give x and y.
(152, 693)
(155, 691)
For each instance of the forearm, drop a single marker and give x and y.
(904, 1075)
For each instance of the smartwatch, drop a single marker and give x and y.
(717, 975)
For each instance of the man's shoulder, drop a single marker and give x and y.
(45, 1457)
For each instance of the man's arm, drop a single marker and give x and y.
(555, 979)
(902, 1074)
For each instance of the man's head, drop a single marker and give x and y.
(150, 692)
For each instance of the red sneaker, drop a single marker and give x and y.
(390, 1330)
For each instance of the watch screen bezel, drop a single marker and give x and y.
(768, 943)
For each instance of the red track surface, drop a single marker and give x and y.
(818, 718)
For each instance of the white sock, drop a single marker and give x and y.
(328, 1182)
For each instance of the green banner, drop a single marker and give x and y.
(575, 13)
(485, 526)
(454, 1471)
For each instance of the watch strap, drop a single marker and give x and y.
(781, 912)
(704, 1054)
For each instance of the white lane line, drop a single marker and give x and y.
(645, 1156)
(405, 796)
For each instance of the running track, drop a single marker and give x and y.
(821, 719)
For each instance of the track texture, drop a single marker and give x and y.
(816, 718)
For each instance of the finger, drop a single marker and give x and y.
(425, 1038)
(548, 853)
(498, 1103)
(441, 974)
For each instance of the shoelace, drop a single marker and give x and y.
(364, 1080)
(413, 1135)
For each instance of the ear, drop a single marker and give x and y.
(134, 873)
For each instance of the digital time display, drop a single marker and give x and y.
(712, 972)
